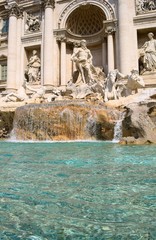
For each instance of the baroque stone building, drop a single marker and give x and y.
(115, 30)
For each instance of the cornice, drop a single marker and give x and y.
(145, 18)
(35, 37)
(62, 35)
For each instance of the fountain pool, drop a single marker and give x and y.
(77, 190)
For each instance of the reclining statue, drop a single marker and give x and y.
(18, 96)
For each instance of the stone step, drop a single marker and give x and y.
(150, 80)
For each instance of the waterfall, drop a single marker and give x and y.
(118, 128)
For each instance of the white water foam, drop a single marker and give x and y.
(118, 128)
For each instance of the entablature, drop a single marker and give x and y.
(145, 19)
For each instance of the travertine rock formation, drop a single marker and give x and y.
(66, 120)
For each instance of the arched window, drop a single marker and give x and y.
(85, 20)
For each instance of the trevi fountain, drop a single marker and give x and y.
(78, 119)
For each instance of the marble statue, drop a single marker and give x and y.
(119, 85)
(33, 68)
(147, 59)
(18, 96)
(33, 23)
(83, 60)
(38, 93)
(132, 84)
(110, 88)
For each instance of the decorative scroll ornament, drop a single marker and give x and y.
(143, 6)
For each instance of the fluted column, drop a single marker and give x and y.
(63, 62)
(127, 36)
(48, 51)
(12, 48)
(110, 48)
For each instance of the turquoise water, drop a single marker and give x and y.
(77, 190)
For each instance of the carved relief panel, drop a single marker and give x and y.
(144, 6)
(32, 22)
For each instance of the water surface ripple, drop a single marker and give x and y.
(77, 190)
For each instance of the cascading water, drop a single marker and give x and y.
(118, 128)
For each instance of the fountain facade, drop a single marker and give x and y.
(43, 35)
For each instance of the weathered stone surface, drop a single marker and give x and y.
(66, 120)
(140, 122)
(6, 123)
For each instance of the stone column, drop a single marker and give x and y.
(19, 80)
(12, 48)
(127, 36)
(48, 51)
(63, 62)
(110, 48)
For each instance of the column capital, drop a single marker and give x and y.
(110, 26)
(110, 30)
(49, 3)
(61, 39)
(14, 10)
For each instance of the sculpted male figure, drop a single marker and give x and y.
(148, 55)
(83, 59)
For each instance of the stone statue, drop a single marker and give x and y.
(119, 85)
(147, 59)
(83, 60)
(33, 23)
(33, 68)
(132, 84)
(19, 96)
(111, 80)
(38, 93)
